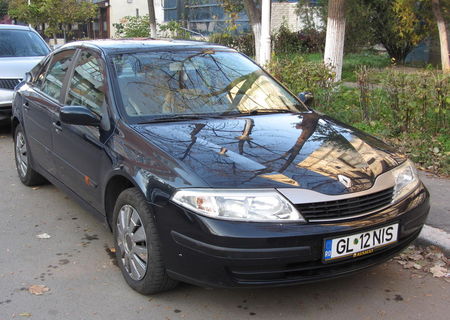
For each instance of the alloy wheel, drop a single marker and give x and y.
(132, 242)
(21, 154)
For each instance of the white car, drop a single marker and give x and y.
(21, 48)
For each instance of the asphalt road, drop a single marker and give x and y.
(84, 282)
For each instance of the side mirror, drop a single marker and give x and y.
(78, 115)
(28, 77)
(307, 98)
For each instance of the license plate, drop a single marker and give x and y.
(359, 244)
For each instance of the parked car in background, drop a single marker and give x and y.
(208, 170)
(21, 48)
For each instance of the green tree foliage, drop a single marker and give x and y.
(174, 30)
(3, 8)
(397, 24)
(358, 33)
(138, 27)
(55, 13)
(309, 14)
(33, 14)
(232, 8)
(133, 27)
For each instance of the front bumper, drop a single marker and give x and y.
(6, 97)
(218, 253)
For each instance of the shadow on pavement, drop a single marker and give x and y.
(5, 130)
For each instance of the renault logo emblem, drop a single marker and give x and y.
(346, 181)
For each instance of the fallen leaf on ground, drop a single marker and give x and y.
(416, 257)
(38, 289)
(113, 250)
(43, 236)
(24, 314)
(438, 271)
(427, 259)
(35, 188)
(417, 266)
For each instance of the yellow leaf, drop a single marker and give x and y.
(38, 289)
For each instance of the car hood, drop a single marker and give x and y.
(16, 67)
(305, 150)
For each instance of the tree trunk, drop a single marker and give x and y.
(64, 33)
(334, 43)
(443, 36)
(256, 28)
(151, 18)
(254, 15)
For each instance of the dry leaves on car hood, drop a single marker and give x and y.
(38, 289)
(429, 259)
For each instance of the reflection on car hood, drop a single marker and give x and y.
(273, 151)
(16, 67)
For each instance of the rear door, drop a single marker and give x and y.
(41, 107)
(80, 150)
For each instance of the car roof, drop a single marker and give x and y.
(112, 46)
(15, 27)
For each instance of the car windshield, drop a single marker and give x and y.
(185, 83)
(21, 43)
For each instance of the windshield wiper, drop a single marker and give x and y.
(176, 117)
(257, 111)
(262, 111)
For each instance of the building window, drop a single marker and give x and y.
(204, 16)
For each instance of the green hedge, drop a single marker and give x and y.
(244, 43)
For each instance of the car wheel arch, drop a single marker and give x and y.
(116, 184)
(14, 123)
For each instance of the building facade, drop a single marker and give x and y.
(203, 16)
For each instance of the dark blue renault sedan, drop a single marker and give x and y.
(208, 170)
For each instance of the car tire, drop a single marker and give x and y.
(137, 244)
(27, 174)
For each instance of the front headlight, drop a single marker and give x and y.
(406, 180)
(242, 205)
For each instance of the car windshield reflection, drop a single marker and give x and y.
(162, 84)
(19, 43)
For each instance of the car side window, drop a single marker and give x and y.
(86, 87)
(53, 80)
(38, 73)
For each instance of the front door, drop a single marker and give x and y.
(80, 150)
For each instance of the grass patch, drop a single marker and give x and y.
(352, 61)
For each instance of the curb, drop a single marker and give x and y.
(434, 236)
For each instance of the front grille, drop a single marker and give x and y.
(346, 207)
(9, 83)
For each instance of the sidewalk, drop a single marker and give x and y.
(440, 200)
(437, 229)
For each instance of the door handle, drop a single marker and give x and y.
(57, 126)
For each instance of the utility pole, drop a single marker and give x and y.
(265, 51)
